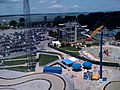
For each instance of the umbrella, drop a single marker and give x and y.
(76, 66)
(87, 64)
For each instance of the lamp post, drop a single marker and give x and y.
(101, 38)
(72, 76)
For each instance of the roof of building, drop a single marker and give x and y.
(56, 42)
(67, 61)
(73, 59)
(76, 66)
(87, 64)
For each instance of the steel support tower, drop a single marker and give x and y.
(29, 57)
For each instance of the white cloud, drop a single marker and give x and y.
(53, 2)
(56, 6)
(43, 1)
(75, 6)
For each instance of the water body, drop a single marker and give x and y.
(38, 17)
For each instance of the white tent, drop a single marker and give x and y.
(73, 59)
(57, 43)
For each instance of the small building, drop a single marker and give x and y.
(67, 62)
(49, 69)
(56, 43)
(73, 59)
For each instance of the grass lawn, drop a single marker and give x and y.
(70, 48)
(45, 59)
(17, 62)
(20, 68)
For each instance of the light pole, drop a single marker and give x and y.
(101, 38)
(72, 76)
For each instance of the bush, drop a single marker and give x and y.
(62, 44)
(68, 44)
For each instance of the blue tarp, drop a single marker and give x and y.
(48, 69)
(67, 61)
(87, 64)
(76, 66)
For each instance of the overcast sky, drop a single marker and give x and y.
(8, 7)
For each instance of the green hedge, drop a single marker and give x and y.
(52, 53)
(84, 59)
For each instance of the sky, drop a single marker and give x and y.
(10, 7)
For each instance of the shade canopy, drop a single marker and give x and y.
(67, 61)
(87, 64)
(73, 59)
(76, 66)
(48, 69)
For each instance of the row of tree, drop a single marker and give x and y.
(92, 20)
(13, 24)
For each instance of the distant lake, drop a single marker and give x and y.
(38, 17)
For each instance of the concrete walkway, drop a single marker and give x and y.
(113, 85)
(53, 79)
(37, 54)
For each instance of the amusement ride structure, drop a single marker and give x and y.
(29, 52)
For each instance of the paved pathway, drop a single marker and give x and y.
(53, 79)
(113, 85)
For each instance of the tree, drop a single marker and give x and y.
(22, 22)
(53, 33)
(45, 19)
(109, 19)
(117, 36)
(57, 20)
(13, 23)
(70, 18)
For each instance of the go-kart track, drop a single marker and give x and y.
(37, 81)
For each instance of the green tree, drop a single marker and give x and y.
(57, 20)
(22, 22)
(117, 36)
(53, 33)
(13, 23)
(70, 18)
(45, 19)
